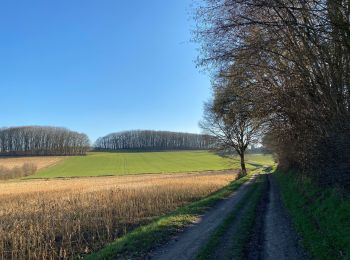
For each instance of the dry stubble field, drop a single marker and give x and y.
(66, 218)
(40, 162)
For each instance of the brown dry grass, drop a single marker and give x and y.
(16, 172)
(65, 218)
(39, 161)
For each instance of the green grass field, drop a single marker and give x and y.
(103, 163)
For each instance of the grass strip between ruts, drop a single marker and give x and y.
(144, 238)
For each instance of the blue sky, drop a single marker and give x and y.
(100, 66)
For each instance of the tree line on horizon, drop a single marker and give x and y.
(281, 73)
(42, 140)
(46, 140)
(153, 140)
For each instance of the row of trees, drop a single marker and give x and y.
(282, 65)
(38, 140)
(152, 140)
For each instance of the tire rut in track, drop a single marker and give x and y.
(281, 240)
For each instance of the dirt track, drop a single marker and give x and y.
(273, 236)
(187, 244)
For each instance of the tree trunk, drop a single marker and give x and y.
(243, 169)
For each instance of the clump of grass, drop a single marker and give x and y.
(321, 216)
(70, 218)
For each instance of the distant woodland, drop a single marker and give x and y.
(153, 140)
(39, 140)
(45, 140)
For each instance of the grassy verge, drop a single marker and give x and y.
(248, 204)
(321, 216)
(142, 239)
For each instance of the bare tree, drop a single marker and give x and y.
(229, 118)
